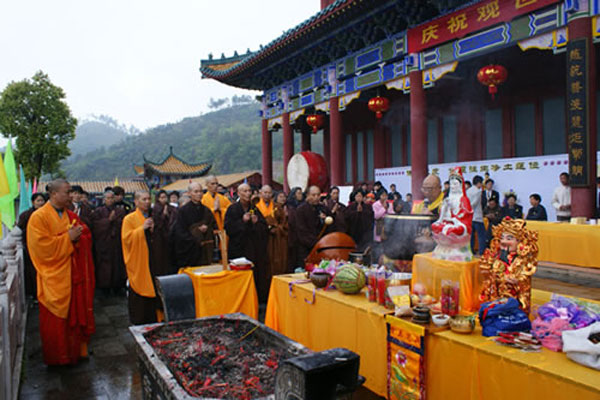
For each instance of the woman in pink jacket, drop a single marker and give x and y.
(380, 208)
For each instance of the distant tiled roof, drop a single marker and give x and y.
(97, 187)
(225, 180)
(173, 165)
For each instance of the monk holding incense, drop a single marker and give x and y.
(60, 248)
(136, 234)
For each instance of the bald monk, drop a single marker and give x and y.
(310, 220)
(135, 234)
(192, 234)
(265, 204)
(248, 237)
(432, 192)
(216, 202)
(60, 248)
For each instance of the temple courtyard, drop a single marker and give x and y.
(111, 370)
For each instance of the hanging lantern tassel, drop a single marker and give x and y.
(492, 76)
(379, 105)
(315, 121)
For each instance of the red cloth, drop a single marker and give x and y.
(64, 341)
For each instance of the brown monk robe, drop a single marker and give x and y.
(192, 234)
(248, 237)
(310, 222)
(163, 215)
(106, 223)
(38, 200)
(278, 237)
(135, 238)
(360, 220)
(336, 209)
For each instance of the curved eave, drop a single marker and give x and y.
(321, 20)
(201, 172)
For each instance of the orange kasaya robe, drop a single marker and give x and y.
(209, 201)
(265, 210)
(136, 255)
(65, 279)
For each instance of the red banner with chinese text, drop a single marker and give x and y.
(468, 20)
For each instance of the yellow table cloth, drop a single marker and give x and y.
(567, 243)
(430, 272)
(489, 371)
(224, 292)
(333, 320)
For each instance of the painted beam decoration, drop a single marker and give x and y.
(578, 132)
(470, 19)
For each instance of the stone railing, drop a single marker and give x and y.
(13, 313)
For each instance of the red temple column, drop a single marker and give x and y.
(288, 147)
(327, 148)
(306, 140)
(379, 145)
(267, 154)
(418, 133)
(336, 139)
(583, 199)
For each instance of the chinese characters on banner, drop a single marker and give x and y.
(577, 112)
(406, 360)
(470, 19)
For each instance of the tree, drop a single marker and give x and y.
(35, 113)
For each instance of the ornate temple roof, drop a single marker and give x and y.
(139, 169)
(343, 27)
(173, 165)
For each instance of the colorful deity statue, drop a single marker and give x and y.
(452, 231)
(510, 262)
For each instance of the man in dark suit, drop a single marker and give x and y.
(489, 193)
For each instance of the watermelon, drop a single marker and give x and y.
(349, 279)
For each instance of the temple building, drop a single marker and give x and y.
(170, 169)
(536, 57)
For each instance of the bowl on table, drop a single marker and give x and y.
(462, 323)
(440, 319)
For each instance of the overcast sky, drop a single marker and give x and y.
(137, 61)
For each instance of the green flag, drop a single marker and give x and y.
(7, 202)
(11, 171)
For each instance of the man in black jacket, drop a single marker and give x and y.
(489, 193)
(537, 212)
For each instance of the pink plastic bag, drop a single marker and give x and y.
(550, 333)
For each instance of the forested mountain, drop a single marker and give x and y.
(94, 134)
(229, 138)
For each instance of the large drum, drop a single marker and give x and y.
(306, 169)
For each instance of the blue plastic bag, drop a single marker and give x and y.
(503, 315)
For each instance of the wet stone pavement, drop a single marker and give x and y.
(109, 373)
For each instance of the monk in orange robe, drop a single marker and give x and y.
(60, 249)
(135, 234)
(216, 202)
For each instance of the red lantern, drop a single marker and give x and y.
(315, 120)
(379, 105)
(492, 76)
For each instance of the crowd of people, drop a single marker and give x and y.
(115, 247)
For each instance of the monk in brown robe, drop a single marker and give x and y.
(248, 237)
(135, 238)
(278, 237)
(193, 232)
(294, 200)
(60, 248)
(336, 209)
(360, 220)
(164, 216)
(310, 222)
(37, 201)
(108, 255)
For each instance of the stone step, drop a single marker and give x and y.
(588, 277)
